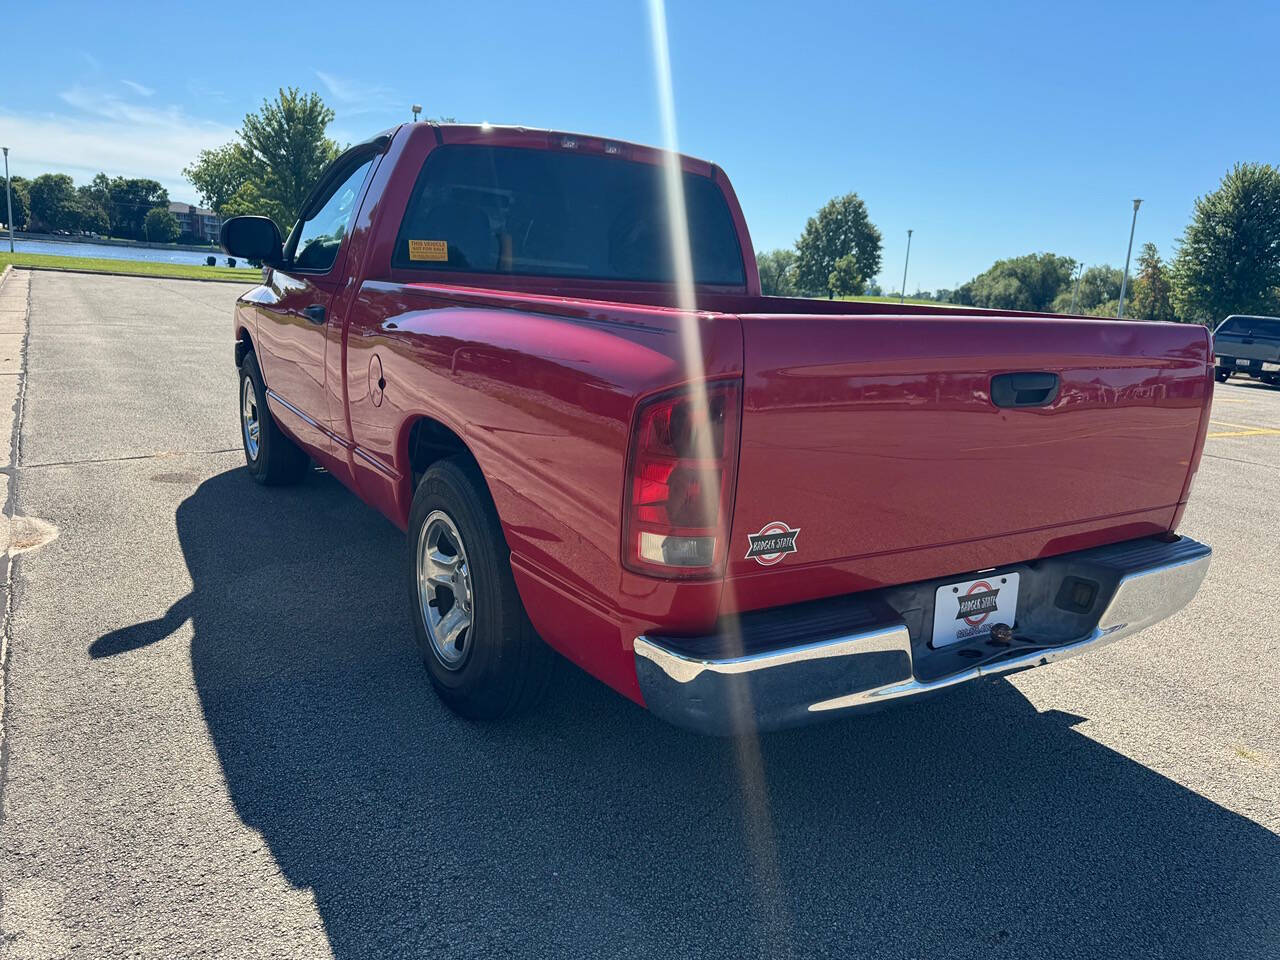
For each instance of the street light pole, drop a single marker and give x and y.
(903, 296)
(1124, 282)
(417, 109)
(8, 197)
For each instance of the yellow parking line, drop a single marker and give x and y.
(1230, 400)
(1241, 426)
(1242, 430)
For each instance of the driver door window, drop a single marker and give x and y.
(321, 234)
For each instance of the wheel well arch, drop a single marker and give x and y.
(426, 440)
(244, 344)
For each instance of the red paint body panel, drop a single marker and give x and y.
(874, 434)
(878, 438)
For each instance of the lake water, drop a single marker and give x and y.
(110, 252)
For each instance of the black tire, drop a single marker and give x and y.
(1221, 375)
(503, 666)
(278, 460)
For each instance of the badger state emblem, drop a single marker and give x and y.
(774, 541)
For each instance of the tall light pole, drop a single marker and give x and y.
(1124, 283)
(8, 197)
(903, 295)
(1075, 293)
(417, 109)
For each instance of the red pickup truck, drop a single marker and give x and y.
(744, 512)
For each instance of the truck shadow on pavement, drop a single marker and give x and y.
(969, 825)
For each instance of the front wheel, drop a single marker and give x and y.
(270, 456)
(480, 650)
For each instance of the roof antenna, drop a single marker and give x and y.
(417, 109)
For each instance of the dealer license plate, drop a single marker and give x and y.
(962, 611)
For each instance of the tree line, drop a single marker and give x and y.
(277, 156)
(1227, 261)
(128, 207)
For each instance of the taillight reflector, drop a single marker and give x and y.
(680, 481)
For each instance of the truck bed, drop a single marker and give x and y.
(870, 428)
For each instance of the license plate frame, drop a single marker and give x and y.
(989, 599)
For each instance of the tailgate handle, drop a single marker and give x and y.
(1024, 389)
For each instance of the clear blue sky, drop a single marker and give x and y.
(990, 129)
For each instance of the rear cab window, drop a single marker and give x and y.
(536, 212)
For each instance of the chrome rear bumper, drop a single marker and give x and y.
(755, 682)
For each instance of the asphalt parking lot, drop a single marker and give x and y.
(218, 740)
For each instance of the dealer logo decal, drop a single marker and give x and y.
(774, 541)
(978, 604)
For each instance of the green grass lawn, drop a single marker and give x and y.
(894, 299)
(129, 268)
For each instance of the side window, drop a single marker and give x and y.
(321, 234)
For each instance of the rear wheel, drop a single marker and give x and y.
(270, 456)
(482, 654)
(1221, 375)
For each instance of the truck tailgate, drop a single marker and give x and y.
(877, 438)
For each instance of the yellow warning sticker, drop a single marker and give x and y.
(436, 250)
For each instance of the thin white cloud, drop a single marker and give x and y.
(354, 96)
(102, 132)
(138, 88)
(202, 90)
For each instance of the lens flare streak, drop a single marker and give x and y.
(750, 763)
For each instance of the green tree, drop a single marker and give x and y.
(1228, 260)
(844, 279)
(777, 272)
(1029, 282)
(1098, 285)
(91, 211)
(219, 174)
(131, 199)
(99, 190)
(160, 226)
(841, 228)
(278, 155)
(1152, 289)
(53, 202)
(20, 199)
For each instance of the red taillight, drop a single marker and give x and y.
(680, 481)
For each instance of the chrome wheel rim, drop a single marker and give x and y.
(249, 418)
(444, 589)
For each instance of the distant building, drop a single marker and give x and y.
(197, 221)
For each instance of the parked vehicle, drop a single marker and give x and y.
(759, 513)
(1249, 345)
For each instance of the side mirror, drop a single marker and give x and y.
(252, 238)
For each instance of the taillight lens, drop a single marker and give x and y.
(680, 481)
